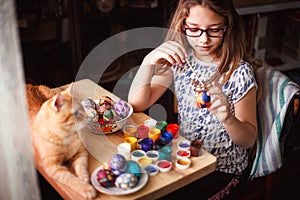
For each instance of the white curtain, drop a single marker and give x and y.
(17, 172)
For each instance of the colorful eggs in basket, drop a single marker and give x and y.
(202, 100)
(105, 115)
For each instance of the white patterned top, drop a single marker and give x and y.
(199, 123)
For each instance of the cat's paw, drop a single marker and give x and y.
(89, 192)
(85, 179)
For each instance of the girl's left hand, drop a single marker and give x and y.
(219, 102)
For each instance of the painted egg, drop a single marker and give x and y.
(88, 103)
(203, 100)
(108, 116)
(106, 100)
(106, 178)
(118, 164)
(134, 168)
(89, 107)
(121, 108)
(126, 181)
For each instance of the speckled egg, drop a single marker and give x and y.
(118, 164)
(106, 178)
(121, 108)
(134, 168)
(126, 181)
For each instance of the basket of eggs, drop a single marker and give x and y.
(105, 115)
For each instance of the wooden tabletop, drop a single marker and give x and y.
(102, 147)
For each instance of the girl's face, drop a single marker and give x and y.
(204, 46)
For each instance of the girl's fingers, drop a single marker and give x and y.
(216, 89)
(174, 50)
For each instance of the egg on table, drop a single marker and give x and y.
(126, 181)
(118, 164)
(134, 168)
(106, 178)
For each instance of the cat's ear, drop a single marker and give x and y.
(70, 88)
(57, 102)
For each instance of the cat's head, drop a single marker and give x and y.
(64, 110)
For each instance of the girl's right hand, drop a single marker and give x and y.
(171, 51)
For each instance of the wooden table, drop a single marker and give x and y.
(102, 147)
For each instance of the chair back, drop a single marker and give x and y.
(276, 92)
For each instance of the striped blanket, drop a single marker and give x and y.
(277, 91)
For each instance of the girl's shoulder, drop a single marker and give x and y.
(244, 68)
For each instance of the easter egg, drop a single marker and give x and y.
(134, 168)
(88, 103)
(108, 116)
(202, 100)
(89, 107)
(121, 108)
(118, 164)
(106, 178)
(106, 100)
(126, 181)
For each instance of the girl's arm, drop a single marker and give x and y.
(148, 86)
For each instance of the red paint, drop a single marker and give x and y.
(183, 153)
(164, 164)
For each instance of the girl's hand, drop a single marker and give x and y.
(171, 51)
(219, 102)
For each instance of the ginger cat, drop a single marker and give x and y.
(55, 117)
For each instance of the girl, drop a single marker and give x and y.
(205, 51)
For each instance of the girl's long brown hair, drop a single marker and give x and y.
(233, 48)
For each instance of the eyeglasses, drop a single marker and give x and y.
(211, 32)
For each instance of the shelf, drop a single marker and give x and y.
(256, 9)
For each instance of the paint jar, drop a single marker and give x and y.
(142, 131)
(165, 153)
(137, 154)
(147, 144)
(161, 125)
(124, 149)
(154, 134)
(167, 136)
(130, 130)
(174, 129)
(195, 148)
(132, 141)
(160, 143)
(151, 123)
(184, 145)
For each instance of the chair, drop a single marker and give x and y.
(278, 142)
